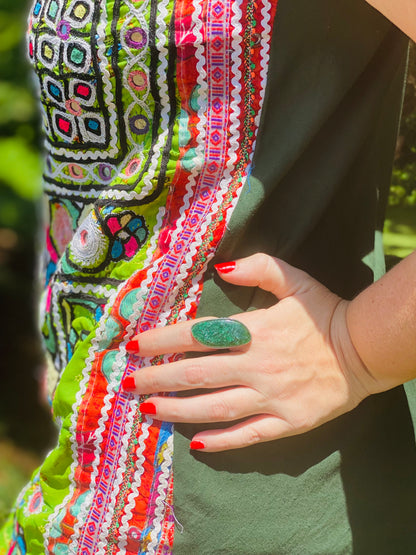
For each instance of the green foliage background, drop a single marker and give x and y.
(400, 225)
(25, 428)
(403, 186)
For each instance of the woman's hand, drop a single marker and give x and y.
(299, 371)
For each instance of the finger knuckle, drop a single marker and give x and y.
(195, 374)
(304, 422)
(265, 265)
(219, 410)
(252, 436)
(267, 335)
(153, 382)
(262, 261)
(269, 368)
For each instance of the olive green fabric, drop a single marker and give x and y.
(316, 198)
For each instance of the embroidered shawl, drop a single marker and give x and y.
(150, 110)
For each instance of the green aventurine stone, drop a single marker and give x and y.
(221, 333)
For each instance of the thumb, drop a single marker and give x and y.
(268, 273)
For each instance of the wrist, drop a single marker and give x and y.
(382, 325)
(360, 380)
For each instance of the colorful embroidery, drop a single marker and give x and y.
(151, 110)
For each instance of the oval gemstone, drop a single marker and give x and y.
(221, 333)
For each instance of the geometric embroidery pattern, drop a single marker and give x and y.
(150, 110)
(76, 92)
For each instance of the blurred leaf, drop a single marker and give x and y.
(411, 198)
(403, 190)
(16, 103)
(21, 167)
(11, 31)
(399, 235)
(9, 213)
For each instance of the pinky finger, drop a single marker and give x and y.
(250, 432)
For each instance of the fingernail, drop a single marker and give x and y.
(128, 384)
(225, 268)
(197, 445)
(147, 408)
(132, 346)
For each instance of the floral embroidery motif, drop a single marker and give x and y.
(35, 503)
(129, 232)
(89, 246)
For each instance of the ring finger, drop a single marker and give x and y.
(219, 406)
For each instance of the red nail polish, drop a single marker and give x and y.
(132, 346)
(128, 384)
(147, 408)
(196, 445)
(225, 268)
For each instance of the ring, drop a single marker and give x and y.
(221, 333)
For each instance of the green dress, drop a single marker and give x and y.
(316, 198)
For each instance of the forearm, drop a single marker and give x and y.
(401, 12)
(382, 325)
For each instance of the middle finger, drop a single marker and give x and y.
(203, 372)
